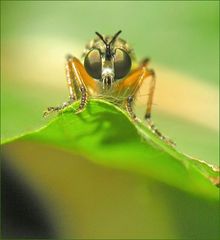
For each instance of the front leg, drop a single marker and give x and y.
(72, 87)
(79, 82)
(57, 108)
(83, 101)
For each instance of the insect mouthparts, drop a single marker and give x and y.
(107, 81)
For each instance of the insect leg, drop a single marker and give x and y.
(71, 82)
(154, 129)
(130, 87)
(79, 83)
(84, 82)
(145, 74)
(132, 84)
(71, 88)
(129, 105)
(151, 93)
(149, 107)
(149, 72)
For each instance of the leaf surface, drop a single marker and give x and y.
(105, 134)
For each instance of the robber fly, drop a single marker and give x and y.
(109, 70)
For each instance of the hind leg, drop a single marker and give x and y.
(131, 85)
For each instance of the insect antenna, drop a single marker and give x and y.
(101, 37)
(113, 39)
(115, 36)
(108, 49)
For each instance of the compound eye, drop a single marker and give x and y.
(93, 64)
(122, 63)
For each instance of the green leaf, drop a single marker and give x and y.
(105, 134)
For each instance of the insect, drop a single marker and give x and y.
(109, 70)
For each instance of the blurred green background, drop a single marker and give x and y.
(182, 39)
(179, 37)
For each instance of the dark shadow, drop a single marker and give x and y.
(22, 213)
(113, 128)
